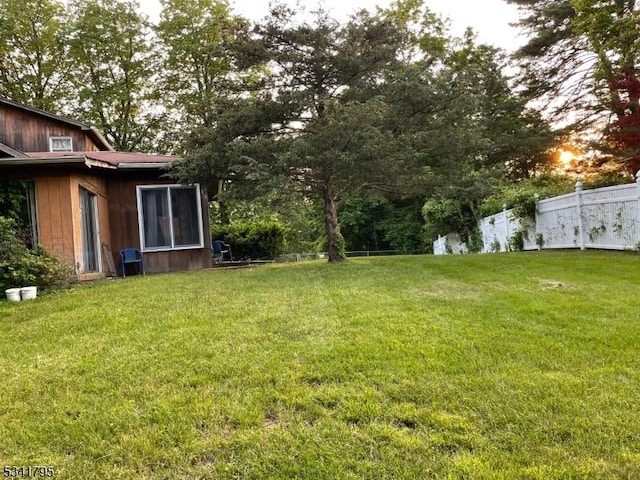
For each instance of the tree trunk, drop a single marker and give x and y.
(335, 242)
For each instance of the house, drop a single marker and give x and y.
(85, 200)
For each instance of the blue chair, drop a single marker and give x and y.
(219, 250)
(131, 256)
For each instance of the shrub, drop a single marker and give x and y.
(516, 242)
(20, 266)
(521, 196)
(258, 240)
(450, 216)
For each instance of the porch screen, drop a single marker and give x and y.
(170, 217)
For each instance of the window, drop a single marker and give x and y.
(170, 217)
(60, 144)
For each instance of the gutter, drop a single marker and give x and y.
(143, 165)
(41, 161)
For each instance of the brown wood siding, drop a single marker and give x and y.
(58, 211)
(125, 232)
(27, 132)
(55, 216)
(176, 261)
(89, 145)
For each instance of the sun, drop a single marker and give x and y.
(566, 157)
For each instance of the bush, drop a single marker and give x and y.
(20, 266)
(444, 216)
(252, 240)
(377, 223)
(521, 196)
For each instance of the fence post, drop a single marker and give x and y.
(536, 228)
(506, 226)
(579, 208)
(638, 213)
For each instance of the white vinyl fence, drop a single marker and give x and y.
(603, 218)
(499, 229)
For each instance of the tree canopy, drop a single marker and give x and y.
(35, 65)
(382, 103)
(114, 72)
(386, 104)
(581, 62)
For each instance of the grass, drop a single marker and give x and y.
(461, 367)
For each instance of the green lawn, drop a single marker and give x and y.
(507, 366)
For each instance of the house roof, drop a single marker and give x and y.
(108, 160)
(6, 149)
(97, 136)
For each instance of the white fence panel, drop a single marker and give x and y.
(451, 243)
(557, 222)
(499, 230)
(605, 218)
(495, 233)
(528, 229)
(610, 217)
(440, 246)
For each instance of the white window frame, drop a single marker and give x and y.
(51, 140)
(144, 248)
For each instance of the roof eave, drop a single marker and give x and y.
(11, 151)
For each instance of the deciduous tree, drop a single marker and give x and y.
(35, 55)
(203, 63)
(115, 72)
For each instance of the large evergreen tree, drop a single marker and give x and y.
(384, 103)
(582, 61)
(319, 122)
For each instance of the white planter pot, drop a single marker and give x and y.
(28, 293)
(13, 294)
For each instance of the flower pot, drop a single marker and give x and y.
(13, 294)
(28, 293)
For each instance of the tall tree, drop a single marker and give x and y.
(35, 56)
(201, 40)
(487, 136)
(384, 103)
(115, 72)
(320, 123)
(577, 53)
(624, 132)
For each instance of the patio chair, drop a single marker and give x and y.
(219, 250)
(131, 256)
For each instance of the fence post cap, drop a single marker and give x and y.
(578, 186)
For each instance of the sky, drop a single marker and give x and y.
(490, 19)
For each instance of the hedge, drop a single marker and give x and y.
(252, 240)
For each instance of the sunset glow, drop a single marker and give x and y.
(566, 157)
